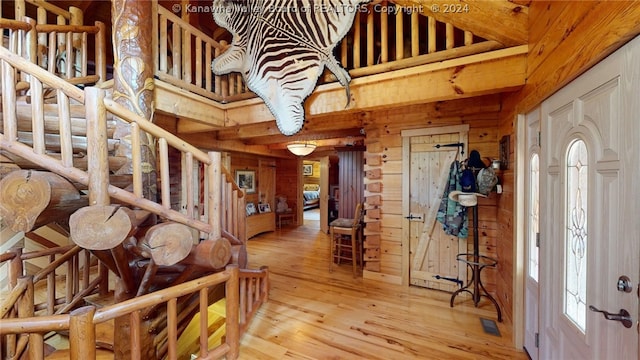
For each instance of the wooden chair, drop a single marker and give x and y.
(346, 240)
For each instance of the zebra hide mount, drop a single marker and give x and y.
(281, 48)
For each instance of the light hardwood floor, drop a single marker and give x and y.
(314, 314)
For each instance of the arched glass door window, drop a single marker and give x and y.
(575, 264)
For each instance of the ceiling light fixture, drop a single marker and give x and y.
(301, 148)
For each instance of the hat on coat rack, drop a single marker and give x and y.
(468, 196)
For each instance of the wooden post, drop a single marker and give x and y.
(356, 42)
(25, 309)
(82, 334)
(370, 39)
(215, 188)
(100, 50)
(15, 267)
(232, 292)
(133, 81)
(431, 39)
(384, 35)
(31, 44)
(96, 151)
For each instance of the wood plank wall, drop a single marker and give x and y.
(384, 142)
(264, 186)
(287, 180)
(582, 34)
(351, 181)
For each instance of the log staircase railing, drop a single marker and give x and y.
(81, 323)
(220, 198)
(197, 203)
(82, 274)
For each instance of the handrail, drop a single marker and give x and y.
(68, 256)
(14, 24)
(155, 130)
(49, 7)
(42, 75)
(255, 293)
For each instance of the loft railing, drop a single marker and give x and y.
(67, 59)
(384, 37)
(58, 41)
(183, 58)
(387, 36)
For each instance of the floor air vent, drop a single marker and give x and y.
(490, 327)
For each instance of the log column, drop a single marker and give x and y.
(133, 82)
(133, 88)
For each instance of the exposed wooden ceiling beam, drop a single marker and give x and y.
(184, 104)
(344, 135)
(488, 19)
(207, 142)
(311, 127)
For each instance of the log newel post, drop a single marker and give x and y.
(97, 152)
(232, 293)
(82, 334)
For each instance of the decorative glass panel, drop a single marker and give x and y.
(576, 234)
(534, 216)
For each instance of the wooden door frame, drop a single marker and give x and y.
(406, 168)
(324, 194)
(519, 235)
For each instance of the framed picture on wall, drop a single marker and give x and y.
(246, 179)
(307, 170)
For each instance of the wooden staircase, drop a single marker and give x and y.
(171, 258)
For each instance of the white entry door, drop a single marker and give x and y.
(590, 238)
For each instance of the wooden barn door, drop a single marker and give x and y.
(432, 253)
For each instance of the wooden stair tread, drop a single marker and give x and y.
(101, 354)
(100, 301)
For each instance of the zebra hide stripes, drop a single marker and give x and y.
(281, 48)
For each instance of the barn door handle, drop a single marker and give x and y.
(414, 216)
(623, 316)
